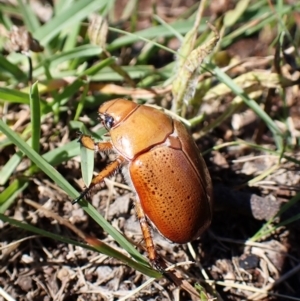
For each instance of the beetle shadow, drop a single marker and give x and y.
(239, 213)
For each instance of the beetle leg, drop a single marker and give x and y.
(154, 258)
(89, 143)
(106, 172)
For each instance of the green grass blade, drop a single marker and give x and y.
(263, 18)
(30, 19)
(87, 159)
(135, 72)
(37, 159)
(63, 153)
(6, 67)
(96, 245)
(62, 5)
(224, 78)
(115, 234)
(99, 66)
(71, 39)
(81, 101)
(232, 16)
(182, 27)
(35, 111)
(268, 228)
(8, 195)
(80, 52)
(70, 191)
(78, 11)
(13, 96)
(9, 167)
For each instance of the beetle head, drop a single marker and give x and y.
(114, 111)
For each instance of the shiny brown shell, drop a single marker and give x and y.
(165, 167)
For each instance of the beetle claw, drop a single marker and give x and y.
(81, 196)
(158, 266)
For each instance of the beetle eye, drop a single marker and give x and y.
(108, 121)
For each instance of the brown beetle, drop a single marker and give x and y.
(165, 168)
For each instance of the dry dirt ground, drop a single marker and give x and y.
(224, 261)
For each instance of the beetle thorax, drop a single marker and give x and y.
(141, 130)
